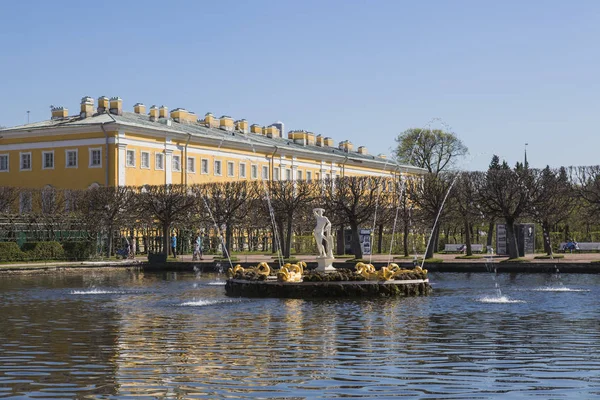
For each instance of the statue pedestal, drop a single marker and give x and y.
(324, 264)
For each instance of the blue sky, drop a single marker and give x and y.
(499, 74)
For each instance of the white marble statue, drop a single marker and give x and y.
(323, 235)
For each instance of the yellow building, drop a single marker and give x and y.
(103, 145)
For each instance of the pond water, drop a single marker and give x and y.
(133, 334)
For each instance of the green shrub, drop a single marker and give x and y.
(79, 250)
(10, 251)
(43, 251)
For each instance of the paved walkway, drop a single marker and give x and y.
(256, 258)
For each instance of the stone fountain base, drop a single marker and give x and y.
(305, 290)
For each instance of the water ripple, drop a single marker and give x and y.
(153, 341)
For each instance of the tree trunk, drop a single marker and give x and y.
(546, 237)
(356, 249)
(288, 238)
(341, 246)
(405, 239)
(380, 239)
(166, 236)
(280, 243)
(490, 234)
(109, 243)
(228, 239)
(513, 250)
(432, 242)
(468, 239)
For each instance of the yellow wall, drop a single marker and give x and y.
(83, 176)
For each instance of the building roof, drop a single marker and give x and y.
(253, 140)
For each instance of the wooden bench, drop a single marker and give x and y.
(459, 248)
(582, 246)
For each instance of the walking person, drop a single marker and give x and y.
(174, 245)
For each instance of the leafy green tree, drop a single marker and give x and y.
(434, 150)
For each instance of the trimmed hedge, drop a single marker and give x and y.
(79, 250)
(10, 251)
(43, 251)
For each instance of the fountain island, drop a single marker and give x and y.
(296, 281)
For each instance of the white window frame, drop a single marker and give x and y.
(204, 163)
(253, 171)
(242, 172)
(288, 174)
(161, 157)
(176, 165)
(265, 172)
(26, 153)
(127, 163)
(219, 170)
(309, 176)
(69, 151)
(230, 168)
(91, 157)
(44, 153)
(142, 153)
(7, 156)
(299, 175)
(193, 165)
(276, 174)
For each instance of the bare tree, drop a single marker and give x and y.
(353, 200)
(431, 197)
(506, 193)
(108, 208)
(167, 204)
(553, 200)
(227, 203)
(466, 204)
(287, 199)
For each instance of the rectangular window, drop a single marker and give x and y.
(145, 160)
(230, 167)
(298, 175)
(71, 158)
(176, 165)
(191, 165)
(159, 161)
(204, 163)
(218, 171)
(4, 162)
(95, 158)
(254, 171)
(309, 176)
(275, 174)
(47, 160)
(242, 170)
(131, 158)
(25, 161)
(265, 172)
(288, 174)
